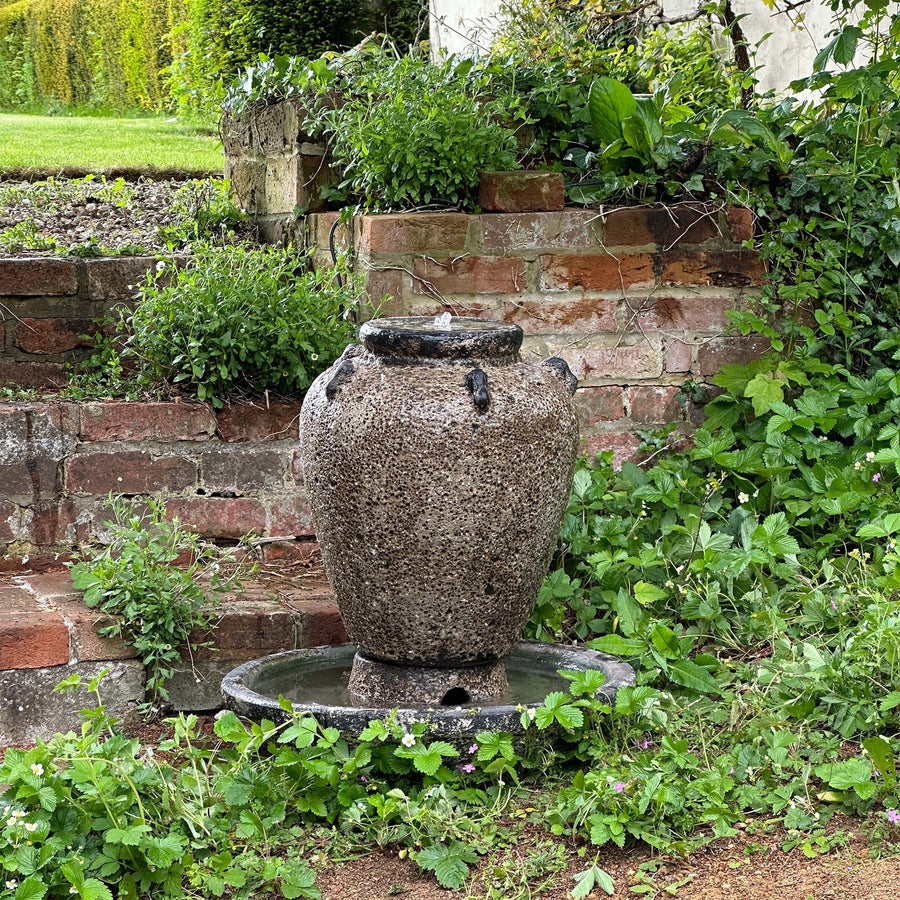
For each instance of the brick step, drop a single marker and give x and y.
(48, 633)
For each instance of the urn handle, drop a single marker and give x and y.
(560, 368)
(344, 371)
(476, 382)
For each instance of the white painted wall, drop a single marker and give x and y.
(786, 55)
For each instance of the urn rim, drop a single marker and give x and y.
(425, 337)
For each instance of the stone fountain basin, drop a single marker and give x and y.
(315, 681)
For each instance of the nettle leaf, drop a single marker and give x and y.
(844, 47)
(688, 674)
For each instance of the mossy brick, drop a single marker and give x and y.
(597, 272)
(31, 374)
(118, 278)
(239, 422)
(53, 523)
(299, 552)
(317, 612)
(219, 517)
(146, 421)
(291, 516)
(48, 336)
(32, 447)
(30, 637)
(244, 469)
(599, 404)
(128, 472)
(38, 277)
(521, 191)
(246, 629)
(567, 229)
(721, 268)
(682, 313)
(661, 226)
(654, 404)
(469, 275)
(573, 315)
(414, 233)
(248, 184)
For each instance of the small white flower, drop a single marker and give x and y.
(531, 714)
(742, 497)
(19, 814)
(407, 740)
(11, 884)
(669, 584)
(160, 265)
(30, 826)
(857, 465)
(11, 821)
(73, 889)
(870, 456)
(37, 768)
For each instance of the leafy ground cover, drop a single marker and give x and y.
(81, 145)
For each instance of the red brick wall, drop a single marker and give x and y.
(47, 306)
(223, 473)
(634, 299)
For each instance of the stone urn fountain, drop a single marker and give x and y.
(438, 466)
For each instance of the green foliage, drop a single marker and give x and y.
(156, 602)
(237, 319)
(412, 132)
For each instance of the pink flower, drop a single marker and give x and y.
(473, 748)
(876, 477)
(834, 605)
(619, 786)
(893, 817)
(466, 767)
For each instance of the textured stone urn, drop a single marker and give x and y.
(438, 466)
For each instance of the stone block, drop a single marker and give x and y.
(9, 521)
(45, 336)
(521, 191)
(240, 470)
(199, 688)
(85, 643)
(554, 316)
(38, 277)
(568, 229)
(28, 374)
(30, 711)
(247, 629)
(50, 523)
(248, 184)
(238, 422)
(470, 275)
(740, 224)
(146, 421)
(385, 287)
(601, 272)
(414, 233)
(128, 472)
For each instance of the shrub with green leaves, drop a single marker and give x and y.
(411, 132)
(237, 319)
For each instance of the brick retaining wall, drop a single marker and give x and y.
(634, 299)
(47, 306)
(223, 473)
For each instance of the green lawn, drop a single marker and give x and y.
(79, 145)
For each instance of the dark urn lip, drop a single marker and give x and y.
(464, 337)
